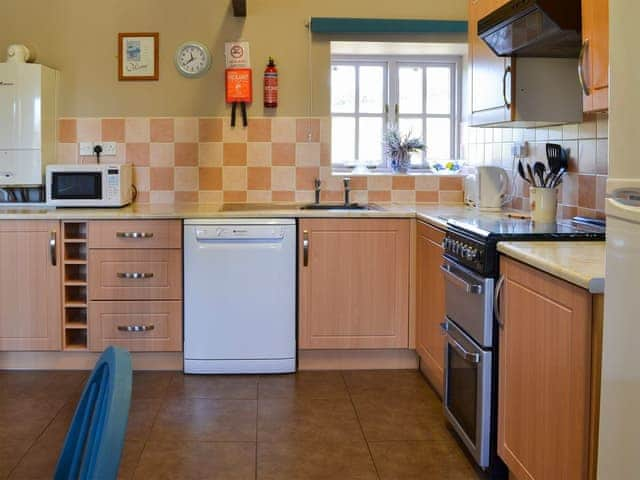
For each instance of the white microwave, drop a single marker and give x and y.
(89, 185)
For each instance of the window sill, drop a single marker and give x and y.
(413, 172)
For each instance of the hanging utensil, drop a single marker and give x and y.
(554, 156)
(540, 169)
(531, 176)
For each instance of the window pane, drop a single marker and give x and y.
(343, 140)
(370, 141)
(410, 89)
(343, 89)
(371, 89)
(412, 127)
(438, 90)
(439, 138)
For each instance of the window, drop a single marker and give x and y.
(371, 94)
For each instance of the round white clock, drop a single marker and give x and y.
(193, 59)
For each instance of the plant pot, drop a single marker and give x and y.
(400, 162)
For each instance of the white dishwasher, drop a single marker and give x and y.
(240, 296)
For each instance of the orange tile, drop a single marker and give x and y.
(233, 196)
(331, 196)
(451, 183)
(359, 183)
(161, 129)
(283, 196)
(403, 182)
(427, 197)
(307, 130)
(325, 155)
(138, 154)
(113, 130)
(259, 178)
(305, 177)
(283, 154)
(587, 191)
(67, 130)
(210, 178)
(380, 196)
(234, 154)
(186, 154)
(210, 129)
(259, 130)
(187, 197)
(161, 178)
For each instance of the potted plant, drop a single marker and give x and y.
(398, 148)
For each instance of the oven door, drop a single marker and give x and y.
(76, 185)
(467, 391)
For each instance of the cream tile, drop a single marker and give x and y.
(480, 134)
(305, 196)
(283, 178)
(186, 179)
(258, 196)
(360, 196)
(587, 156)
(234, 178)
(186, 129)
(602, 126)
(587, 129)
(307, 154)
(137, 130)
(569, 132)
(259, 154)
(602, 156)
(161, 154)
(529, 134)
(210, 197)
(496, 153)
(507, 135)
(210, 154)
(89, 130)
(403, 196)
(382, 182)
(121, 155)
(161, 197)
(542, 134)
(141, 178)
(518, 134)
(426, 182)
(488, 154)
(488, 135)
(283, 130)
(555, 133)
(67, 153)
(497, 135)
(237, 134)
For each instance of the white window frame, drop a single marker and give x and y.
(391, 98)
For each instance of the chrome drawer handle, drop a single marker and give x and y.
(305, 248)
(140, 235)
(583, 83)
(53, 251)
(134, 275)
(475, 289)
(135, 328)
(468, 356)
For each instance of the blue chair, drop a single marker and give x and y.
(94, 442)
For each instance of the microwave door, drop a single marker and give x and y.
(76, 186)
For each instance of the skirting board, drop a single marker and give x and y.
(85, 360)
(357, 359)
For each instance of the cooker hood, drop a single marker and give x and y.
(534, 28)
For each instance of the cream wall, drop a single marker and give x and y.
(79, 38)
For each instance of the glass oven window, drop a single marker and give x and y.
(462, 397)
(76, 185)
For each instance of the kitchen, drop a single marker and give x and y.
(297, 302)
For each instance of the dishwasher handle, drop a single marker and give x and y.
(238, 233)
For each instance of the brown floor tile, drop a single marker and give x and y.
(151, 384)
(11, 451)
(142, 413)
(197, 460)
(206, 420)
(386, 418)
(319, 385)
(305, 460)
(60, 385)
(307, 419)
(231, 387)
(395, 383)
(131, 454)
(421, 460)
(25, 417)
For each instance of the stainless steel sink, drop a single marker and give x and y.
(250, 207)
(339, 206)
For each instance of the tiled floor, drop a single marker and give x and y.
(312, 425)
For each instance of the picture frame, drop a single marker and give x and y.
(138, 56)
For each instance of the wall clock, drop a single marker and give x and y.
(192, 59)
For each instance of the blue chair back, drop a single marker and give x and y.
(94, 442)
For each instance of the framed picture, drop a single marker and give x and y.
(138, 56)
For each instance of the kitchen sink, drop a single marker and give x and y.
(340, 206)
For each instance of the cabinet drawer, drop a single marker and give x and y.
(135, 274)
(136, 326)
(135, 234)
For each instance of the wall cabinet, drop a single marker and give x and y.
(491, 76)
(353, 283)
(595, 59)
(430, 308)
(30, 285)
(545, 369)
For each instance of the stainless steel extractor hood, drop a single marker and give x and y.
(534, 28)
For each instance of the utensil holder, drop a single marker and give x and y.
(544, 204)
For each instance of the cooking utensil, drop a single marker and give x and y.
(540, 169)
(531, 176)
(521, 172)
(557, 179)
(554, 156)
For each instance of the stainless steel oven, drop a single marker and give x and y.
(469, 357)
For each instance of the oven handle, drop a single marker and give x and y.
(496, 301)
(468, 356)
(474, 288)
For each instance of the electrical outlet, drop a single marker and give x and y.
(86, 149)
(108, 148)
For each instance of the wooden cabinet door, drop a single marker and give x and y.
(595, 63)
(430, 309)
(544, 390)
(30, 291)
(354, 286)
(489, 82)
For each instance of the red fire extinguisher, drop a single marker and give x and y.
(271, 85)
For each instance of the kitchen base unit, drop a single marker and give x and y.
(240, 296)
